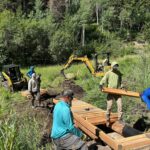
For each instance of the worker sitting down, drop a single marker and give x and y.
(65, 133)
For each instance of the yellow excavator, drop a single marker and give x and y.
(12, 78)
(98, 71)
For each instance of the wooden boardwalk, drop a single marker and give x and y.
(88, 116)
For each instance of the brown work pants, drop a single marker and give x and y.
(110, 99)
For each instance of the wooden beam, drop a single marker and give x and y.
(121, 92)
(86, 131)
(118, 127)
(136, 143)
(99, 133)
(100, 121)
(132, 138)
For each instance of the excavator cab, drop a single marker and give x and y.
(12, 78)
(98, 70)
(105, 65)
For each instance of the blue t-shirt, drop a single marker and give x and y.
(63, 121)
(146, 97)
(30, 72)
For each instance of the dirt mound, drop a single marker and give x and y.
(70, 84)
(57, 87)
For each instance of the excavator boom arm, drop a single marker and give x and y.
(82, 59)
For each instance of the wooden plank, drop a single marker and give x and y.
(100, 121)
(115, 135)
(132, 138)
(121, 92)
(136, 143)
(82, 107)
(92, 116)
(99, 133)
(147, 147)
(118, 127)
(85, 130)
(85, 111)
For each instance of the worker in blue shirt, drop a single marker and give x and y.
(65, 133)
(30, 72)
(145, 96)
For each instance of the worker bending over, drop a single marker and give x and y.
(65, 133)
(112, 79)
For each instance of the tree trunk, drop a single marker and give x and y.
(83, 35)
(102, 20)
(97, 13)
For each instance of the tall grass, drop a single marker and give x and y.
(20, 133)
(8, 133)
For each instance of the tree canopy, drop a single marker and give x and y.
(46, 32)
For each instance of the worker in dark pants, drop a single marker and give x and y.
(38, 80)
(112, 79)
(65, 133)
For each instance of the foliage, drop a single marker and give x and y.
(31, 34)
(8, 132)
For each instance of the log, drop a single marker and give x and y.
(124, 129)
(26, 93)
(120, 92)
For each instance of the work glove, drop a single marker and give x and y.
(101, 87)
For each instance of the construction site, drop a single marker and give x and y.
(89, 118)
(74, 75)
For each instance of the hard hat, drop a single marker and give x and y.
(114, 63)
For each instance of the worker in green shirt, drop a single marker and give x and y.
(112, 79)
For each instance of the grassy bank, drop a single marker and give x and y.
(21, 129)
